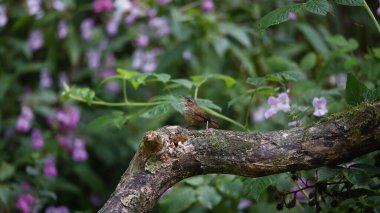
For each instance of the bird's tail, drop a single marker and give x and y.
(213, 123)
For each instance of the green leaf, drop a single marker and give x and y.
(84, 93)
(163, 77)
(195, 181)
(237, 32)
(101, 121)
(243, 56)
(178, 200)
(278, 63)
(256, 81)
(315, 39)
(308, 61)
(278, 16)
(355, 90)
(230, 185)
(357, 177)
(254, 187)
(229, 81)
(72, 46)
(320, 7)
(198, 80)
(156, 111)
(238, 99)
(208, 103)
(287, 76)
(208, 196)
(6, 171)
(329, 172)
(350, 2)
(221, 45)
(184, 82)
(5, 192)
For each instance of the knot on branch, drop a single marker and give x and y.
(152, 142)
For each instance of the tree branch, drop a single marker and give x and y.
(172, 153)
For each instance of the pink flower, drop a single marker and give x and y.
(27, 113)
(244, 204)
(66, 142)
(35, 40)
(207, 6)
(26, 186)
(45, 79)
(102, 6)
(25, 202)
(319, 105)
(37, 139)
(283, 102)
(93, 58)
(79, 152)
(292, 16)
(58, 5)
(34, 7)
(58, 209)
(160, 26)
(378, 11)
(146, 61)
(3, 16)
(112, 26)
(293, 123)
(50, 170)
(142, 40)
(339, 79)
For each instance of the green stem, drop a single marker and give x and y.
(218, 115)
(196, 92)
(248, 111)
(300, 187)
(128, 104)
(125, 90)
(371, 16)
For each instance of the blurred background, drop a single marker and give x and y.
(65, 156)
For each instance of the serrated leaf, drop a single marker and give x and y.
(278, 16)
(254, 187)
(6, 171)
(178, 200)
(156, 111)
(320, 7)
(350, 2)
(308, 61)
(184, 82)
(208, 196)
(355, 90)
(208, 103)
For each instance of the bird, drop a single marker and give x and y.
(195, 116)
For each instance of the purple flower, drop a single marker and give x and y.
(142, 40)
(26, 186)
(37, 139)
(27, 112)
(99, 6)
(79, 152)
(292, 16)
(3, 16)
(34, 7)
(36, 40)
(160, 26)
(299, 195)
(112, 27)
(50, 170)
(244, 204)
(23, 122)
(152, 13)
(58, 209)
(25, 202)
(319, 105)
(281, 103)
(93, 58)
(145, 60)
(187, 55)
(110, 60)
(45, 79)
(69, 117)
(86, 29)
(257, 114)
(163, 2)
(207, 6)
(292, 123)
(58, 5)
(66, 142)
(378, 11)
(338, 79)
(63, 30)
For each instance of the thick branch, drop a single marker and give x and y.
(172, 153)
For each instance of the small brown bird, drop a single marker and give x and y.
(195, 116)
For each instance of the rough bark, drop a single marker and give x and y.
(172, 153)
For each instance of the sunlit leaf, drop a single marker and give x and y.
(156, 111)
